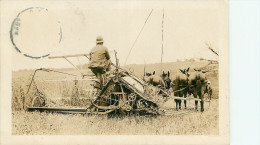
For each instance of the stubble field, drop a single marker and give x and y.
(62, 94)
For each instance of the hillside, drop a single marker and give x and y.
(172, 67)
(137, 69)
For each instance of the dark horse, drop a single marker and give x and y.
(167, 80)
(180, 87)
(185, 83)
(198, 86)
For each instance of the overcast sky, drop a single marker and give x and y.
(187, 26)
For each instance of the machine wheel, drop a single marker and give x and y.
(39, 100)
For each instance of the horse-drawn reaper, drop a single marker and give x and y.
(122, 93)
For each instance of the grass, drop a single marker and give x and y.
(193, 123)
(63, 94)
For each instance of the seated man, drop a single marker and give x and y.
(99, 59)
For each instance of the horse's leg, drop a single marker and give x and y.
(177, 94)
(196, 102)
(180, 104)
(185, 102)
(180, 95)
(210, 94)
(176, 101)
(202, 101)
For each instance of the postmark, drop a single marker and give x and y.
(35, 32)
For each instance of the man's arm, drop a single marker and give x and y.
(107, 54)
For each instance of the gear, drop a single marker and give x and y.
(131, 97)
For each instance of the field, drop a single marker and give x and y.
(63, 94)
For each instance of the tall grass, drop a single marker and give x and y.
(193, 123)
(58, 93)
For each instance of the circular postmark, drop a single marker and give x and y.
(35, 32)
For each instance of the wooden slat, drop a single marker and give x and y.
(75, 55)
(92, 79)
(182, 98)
(116, 93)
(68, 98)
(64, 110)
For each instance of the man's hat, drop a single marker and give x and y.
(99, 39)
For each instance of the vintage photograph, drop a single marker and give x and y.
(116, 68)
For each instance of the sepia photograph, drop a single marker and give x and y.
(135, 70)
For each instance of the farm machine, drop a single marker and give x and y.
(122, 93)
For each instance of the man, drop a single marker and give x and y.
(99, 59)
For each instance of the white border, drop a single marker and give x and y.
(223, 138)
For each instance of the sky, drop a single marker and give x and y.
(187, 26)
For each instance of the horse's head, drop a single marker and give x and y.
(148, 74)
(166, 79)
(209, 89)
(185, 71)
(187, 74)
(208, 85)
(164, 75)
(201, 74)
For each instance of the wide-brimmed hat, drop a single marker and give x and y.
(99, 39)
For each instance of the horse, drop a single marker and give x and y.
(167, 80)
(154, 80)
(198, 86)
(180, 87)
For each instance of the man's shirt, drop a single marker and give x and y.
(99, 57)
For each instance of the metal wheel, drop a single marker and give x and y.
(131, 97)
(38, 101)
